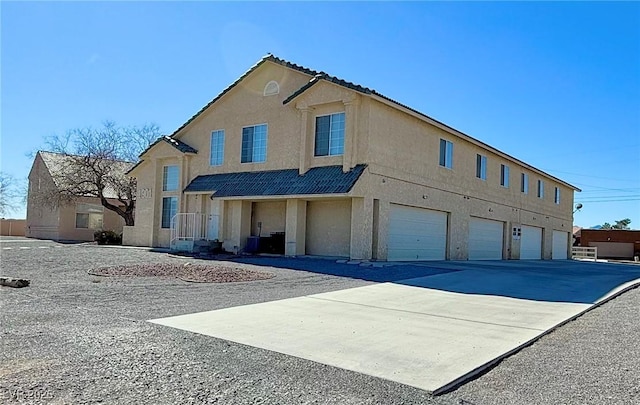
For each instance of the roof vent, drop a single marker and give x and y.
(271, 89)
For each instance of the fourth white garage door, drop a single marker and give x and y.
(531, 243)
(416, 234)
(485, 239)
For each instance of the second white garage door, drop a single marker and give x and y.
(531, 243)
(416, 234)
(485, 239)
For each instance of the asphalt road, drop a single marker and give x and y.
(75, 338)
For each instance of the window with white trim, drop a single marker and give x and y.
(481, 167)
(217, 148)
(556, 197)
(89, 216)
(254, 144)
(170, 176)
(329, 135)
(540, 189)
(504, 176)
(446, 154)
(524, 183)
(169, 210)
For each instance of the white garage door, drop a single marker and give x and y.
(531, 243)
(485, 239)
(559, 246)
(416, 234)
(614, 250)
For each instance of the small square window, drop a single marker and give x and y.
(446, 154)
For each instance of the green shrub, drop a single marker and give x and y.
(107, 238)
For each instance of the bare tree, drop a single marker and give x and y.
(93, 162)
(7, 193)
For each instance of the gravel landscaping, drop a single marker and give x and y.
(76, 338)
(198, 273)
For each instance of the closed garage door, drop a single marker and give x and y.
(614, 250)
(416, 234)
(531, 243)
(328, 228)
(485, 239)
(560, 245)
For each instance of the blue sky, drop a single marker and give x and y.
(554, 84)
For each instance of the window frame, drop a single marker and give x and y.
(330, 137)
(165, 178)
(556, 195)
(524, 183)
(89, 215)
(446, 154)
(219, 152)
(255, 153)
(540, 188)
(481, 167)
(172, 211)
(504, 175)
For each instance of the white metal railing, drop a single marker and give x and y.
(188, 226)
(584, 252)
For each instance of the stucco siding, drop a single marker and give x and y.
(328, 228)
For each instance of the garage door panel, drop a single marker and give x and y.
(416, 234)
(485, 239)
(531, 243)
(560, 245)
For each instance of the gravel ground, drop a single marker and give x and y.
(74, 338)
(199, 273)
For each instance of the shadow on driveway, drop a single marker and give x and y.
(552, 281)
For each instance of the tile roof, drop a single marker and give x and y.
(58, 164)
(318, 75)
(318, 180)
(176, 143)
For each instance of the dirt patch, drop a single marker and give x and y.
(197, 273)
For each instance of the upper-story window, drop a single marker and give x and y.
(556, 197)
(540, 189)
(170, 175)
(504, 176)
(481, 167)
(217, 147)
(524, 183)
(254, 144)
(330, 135)
(446, 154)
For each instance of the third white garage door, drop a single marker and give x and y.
(531, 243)
(416, 234)
(485, 239)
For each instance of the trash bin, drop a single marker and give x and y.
(253, 243)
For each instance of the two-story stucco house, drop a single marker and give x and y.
(337, 169)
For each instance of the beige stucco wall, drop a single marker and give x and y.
(400, 148)
(329, 228)
(13, 227)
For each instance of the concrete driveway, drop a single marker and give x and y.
(429, 325)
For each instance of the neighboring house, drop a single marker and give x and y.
(612, 243)
(332, 168)
(75, 221)
(577, 231)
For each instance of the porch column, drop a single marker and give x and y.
(361, 228)
(240, 225)
(296, 228)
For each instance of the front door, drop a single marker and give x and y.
(213, 227)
